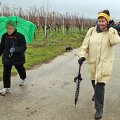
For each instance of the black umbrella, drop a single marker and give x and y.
(77, 80)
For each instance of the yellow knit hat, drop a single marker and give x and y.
(105, 16)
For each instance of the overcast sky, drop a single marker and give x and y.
(87, 8)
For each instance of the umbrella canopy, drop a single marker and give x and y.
(24, 27)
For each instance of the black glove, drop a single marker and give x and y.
(81, 60)
(12, 50)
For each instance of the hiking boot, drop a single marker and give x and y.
(98, 114)
(22, 82)
(4, 91)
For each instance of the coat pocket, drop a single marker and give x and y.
(92, 68)
(107, 67)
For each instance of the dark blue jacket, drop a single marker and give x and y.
(16, 40)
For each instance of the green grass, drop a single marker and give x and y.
(41, 51)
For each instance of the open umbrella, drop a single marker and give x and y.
(77, 80)
(24, 27)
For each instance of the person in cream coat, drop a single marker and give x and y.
(97, 48)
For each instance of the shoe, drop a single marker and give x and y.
(98, 115)
(93, 98)
(8, 90)
(4, 91)
(22, 82)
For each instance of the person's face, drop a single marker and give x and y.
(102, 23)
(10, 29)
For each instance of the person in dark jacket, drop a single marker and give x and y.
(12, 49)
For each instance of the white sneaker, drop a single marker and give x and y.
(22, 82)
(8, 90)
(4, 91)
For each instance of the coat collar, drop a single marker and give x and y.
(99, 30)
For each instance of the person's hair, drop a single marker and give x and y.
(11, 23)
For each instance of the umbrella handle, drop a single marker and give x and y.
(79, 68)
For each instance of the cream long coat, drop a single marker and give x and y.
(97, 48)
